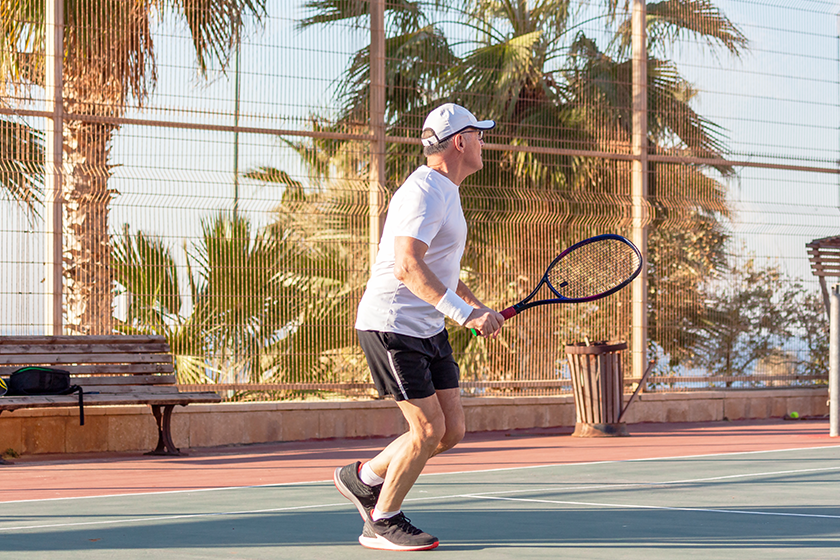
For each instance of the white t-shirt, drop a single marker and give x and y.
(426, 207)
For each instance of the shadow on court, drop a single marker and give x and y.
(461, 530)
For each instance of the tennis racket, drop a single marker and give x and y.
(588, 270)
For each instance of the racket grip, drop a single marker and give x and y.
(509, 312)
(506, 313)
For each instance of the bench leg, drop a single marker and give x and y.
(2, 460)
(165, 445)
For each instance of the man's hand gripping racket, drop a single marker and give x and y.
(588, 270)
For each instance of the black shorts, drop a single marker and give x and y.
(408, 367)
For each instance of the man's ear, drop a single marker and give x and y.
(459, 142)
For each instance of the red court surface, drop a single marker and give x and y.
(65, 476)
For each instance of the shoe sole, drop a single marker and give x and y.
(344, 491)
(380, 543)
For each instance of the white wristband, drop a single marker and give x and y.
(454, 307)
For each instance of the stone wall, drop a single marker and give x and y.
(132, 428)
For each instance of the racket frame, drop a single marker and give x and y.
(526, 303)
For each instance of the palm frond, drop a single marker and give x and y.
(22, 164)
(551, 17)
(670, 21)
(402, 15)
(294, 188)
(417, 60)
(604, 84)
(671, 115)
(144, 266)
(217, 26)
(333, 11)
(109, 55)
(21, 42)
(498, 75)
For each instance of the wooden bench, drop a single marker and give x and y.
(824, 255)
(112, 370)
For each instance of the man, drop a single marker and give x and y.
(400, 323)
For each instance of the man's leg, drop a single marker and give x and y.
(453, 413)
(426, 429)
(449, 401)
(436, 423)
(391, 530)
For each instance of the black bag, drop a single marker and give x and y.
(36, 380)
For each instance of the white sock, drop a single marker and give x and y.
(378, 515)
(369, 477)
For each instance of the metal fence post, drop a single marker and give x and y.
(377, 191)
(639, 180)
(53, 168)
(834, 363)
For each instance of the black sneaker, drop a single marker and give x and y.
(396, 533)
(351, 487)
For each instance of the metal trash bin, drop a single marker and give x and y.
(598, 384)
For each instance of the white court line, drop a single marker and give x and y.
(639, 460)
(501, 469)
(485, 496)
(645, 484)
(160, 492)
(167, 517)
(666, 508)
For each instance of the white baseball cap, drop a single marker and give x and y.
(448, 120)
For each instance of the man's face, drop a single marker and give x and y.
(472, 140)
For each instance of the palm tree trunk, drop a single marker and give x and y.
(88, 288)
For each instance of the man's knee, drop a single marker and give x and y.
(430, 432)
(454, 434)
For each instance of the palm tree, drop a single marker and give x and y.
(247, 292)
(324, 221)
(532, 67)
(109, 61)
(267, 305)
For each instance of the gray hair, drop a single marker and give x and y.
(436, 148)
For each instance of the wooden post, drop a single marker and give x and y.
(639, 193)
(834, 364)
(377, 125)
(53, 197)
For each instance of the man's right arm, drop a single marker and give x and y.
(412, 270)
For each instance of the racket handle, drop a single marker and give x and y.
(509, 312)
(506, 313)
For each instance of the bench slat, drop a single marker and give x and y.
(12, 403)
(45, 359)
(104, 369)
(82, 339)
(151, 348)
(129, 389)
(130, 380)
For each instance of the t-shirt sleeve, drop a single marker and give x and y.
(417, 214)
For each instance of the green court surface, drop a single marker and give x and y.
(776, 504)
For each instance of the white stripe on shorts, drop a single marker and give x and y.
(394, 373)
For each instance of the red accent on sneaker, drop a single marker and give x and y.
(378, 543)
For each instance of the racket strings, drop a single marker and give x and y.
(593, 269)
